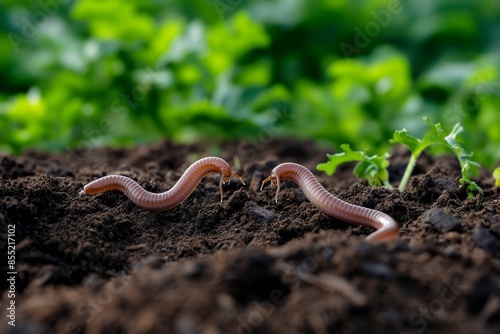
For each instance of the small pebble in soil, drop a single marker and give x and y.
(442, 221)
(484, 238)
(260, 214)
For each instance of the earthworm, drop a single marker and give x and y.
(387, 227)
(168, 199)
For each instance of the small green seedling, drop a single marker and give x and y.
(436, 136)
(496, 176)
(374, 168)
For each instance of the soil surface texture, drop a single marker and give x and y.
(100, 264)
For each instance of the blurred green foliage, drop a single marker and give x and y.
(87, 73)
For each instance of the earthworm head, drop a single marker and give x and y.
(226, 178)
(275, 182)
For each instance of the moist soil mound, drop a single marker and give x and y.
(100, 264)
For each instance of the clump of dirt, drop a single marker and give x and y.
(100, 264)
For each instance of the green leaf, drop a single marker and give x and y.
(436, 135)
(372, 168)
(496, 176)
(336, 159)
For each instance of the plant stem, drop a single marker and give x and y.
(387, 185)
(408, 171)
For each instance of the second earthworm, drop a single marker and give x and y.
(387, 227)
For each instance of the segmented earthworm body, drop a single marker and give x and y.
(168, 199)
(387, 227)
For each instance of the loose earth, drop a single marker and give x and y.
(100, 264)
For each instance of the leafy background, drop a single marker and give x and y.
(87, 73)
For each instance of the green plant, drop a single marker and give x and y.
(374, 168)
(496, 175)
(436, 136)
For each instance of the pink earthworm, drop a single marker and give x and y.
(168, 199)
(387, 228)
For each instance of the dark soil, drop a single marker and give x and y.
(100, 264)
